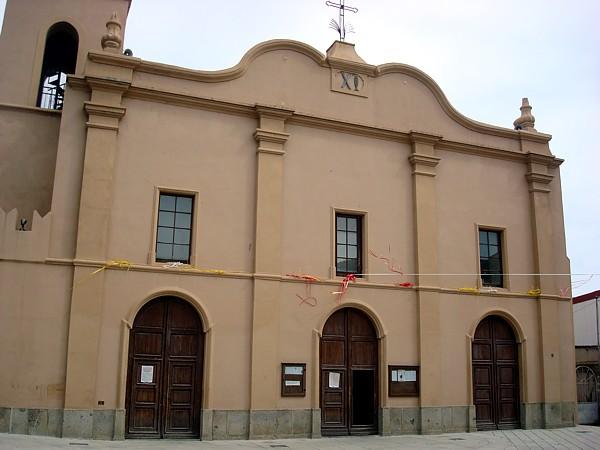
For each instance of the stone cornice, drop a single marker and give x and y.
(236, 71)
(107, 84)
(547, 160)
(423, 138)
(480, 127)
(343, 64)
(275, 137)
(114, 59)
(173, 98)
(472, 149)
(77, 82)
(274, 112)
(31, 109)
(326, 123)
(425, 160)
(97, 109)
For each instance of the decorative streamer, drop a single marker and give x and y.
(534, 292)
(389, 262)
(347, 279)
(191, 268)
(308, 298)
(406, 284)
(117, 263)
(471, 290)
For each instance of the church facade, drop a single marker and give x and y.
(301, 245)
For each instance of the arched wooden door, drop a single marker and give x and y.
(164, 376)
(496, 375)
(349, 374)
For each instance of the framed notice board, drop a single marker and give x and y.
(293, 379)
(403, 381)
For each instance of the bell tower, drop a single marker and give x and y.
(42, 41)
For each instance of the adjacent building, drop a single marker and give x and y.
(304, 244)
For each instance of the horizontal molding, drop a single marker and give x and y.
(360, 129)
(275, 137)
(423, 160)
(191, 101)
(98, 109)
(326, 123)
(270, 151)
(32, 109)
(284, 278)
(101, 126)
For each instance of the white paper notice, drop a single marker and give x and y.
(394, 376)
(293, 370)
(147, 375)
(334, 379)
(410, 375)
(292, 383)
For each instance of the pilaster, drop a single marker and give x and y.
(424, 161)
(271, 137)
(104, 112)
(539, 178)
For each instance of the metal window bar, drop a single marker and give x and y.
(587, 385)
(52, 93)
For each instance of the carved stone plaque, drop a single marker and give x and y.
(349, 82)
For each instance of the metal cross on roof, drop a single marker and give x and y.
(340, 26)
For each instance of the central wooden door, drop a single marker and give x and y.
(349, 374)
(496, 375)
(164, 378)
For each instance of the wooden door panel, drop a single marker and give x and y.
(336, 325)
(333, 352)
(482, 352)
(349, 343)
(495, 375)
(148, 344)
(167, 335)
(363, 353)
(506, 352)
(183, 345)
(145, 403)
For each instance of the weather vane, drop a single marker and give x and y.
(340, 25)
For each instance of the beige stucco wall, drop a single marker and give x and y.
(27, 159)
(213, 155)
(34, 315)
(477, 191)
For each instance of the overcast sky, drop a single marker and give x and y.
(485, 55)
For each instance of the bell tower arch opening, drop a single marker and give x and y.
(60, 59)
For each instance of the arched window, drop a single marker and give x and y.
(60, 59)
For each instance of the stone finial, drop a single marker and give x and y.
(112, 40)
(526, 121)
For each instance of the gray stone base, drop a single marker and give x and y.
(35, 422)
(279, 424)
(548, 415)
(273, 424)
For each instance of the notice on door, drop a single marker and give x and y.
(147, 374)
(334, 379)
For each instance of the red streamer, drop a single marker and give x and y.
(347, 279)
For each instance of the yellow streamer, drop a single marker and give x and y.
(192, 268)
(469, 289)
(534, 292)
(118, 263)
